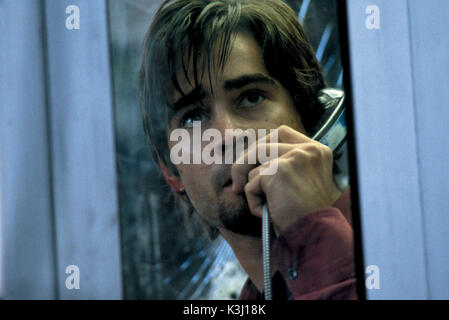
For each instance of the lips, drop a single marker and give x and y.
(227, 183)
(221, 177)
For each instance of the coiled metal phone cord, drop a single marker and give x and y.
(266, 252)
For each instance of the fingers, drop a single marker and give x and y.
(285, 134)
(256, 154)
(254, 195)
(255, 189)
(271, 146)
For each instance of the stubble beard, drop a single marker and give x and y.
(238, 218)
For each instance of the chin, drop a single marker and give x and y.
(236, 217)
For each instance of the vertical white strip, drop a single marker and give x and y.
(429, 35)
(390, 193)
(83, 149)
(1, 195)
(27, 236)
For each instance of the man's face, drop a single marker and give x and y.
(244, 97)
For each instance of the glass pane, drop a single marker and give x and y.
(165, 255)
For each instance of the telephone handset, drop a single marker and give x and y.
(330, 130)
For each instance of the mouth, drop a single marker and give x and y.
(228, 183)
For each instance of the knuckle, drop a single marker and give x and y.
(283, 127)
(318, 151)
(267, 182)
(298, 153)
(327, 152)
(283, 167)
(284, 130)
(252, 173)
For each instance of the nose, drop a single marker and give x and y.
(223, 121)
(228, 123)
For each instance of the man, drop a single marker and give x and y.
(233, 64)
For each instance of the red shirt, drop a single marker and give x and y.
(314, 257)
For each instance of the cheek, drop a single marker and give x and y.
(292, 118)
(286, 115)
(296, 123)
(290, 114)
(185, 173)
(198, 188)
(194, 179)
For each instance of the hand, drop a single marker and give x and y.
(302, 183)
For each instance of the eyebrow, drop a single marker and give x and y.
(240, 82)
(192, 97)
(199, 93)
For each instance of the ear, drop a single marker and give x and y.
(174, 182)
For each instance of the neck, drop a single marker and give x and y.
(248, 250)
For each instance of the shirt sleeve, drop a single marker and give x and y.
(315, 257)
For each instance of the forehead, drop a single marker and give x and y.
(245, 57)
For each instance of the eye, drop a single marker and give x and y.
(191, 116)
(251, 99)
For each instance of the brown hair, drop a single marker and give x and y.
(202, 30)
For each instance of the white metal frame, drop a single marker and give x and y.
(58, 175)
(400, 86)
